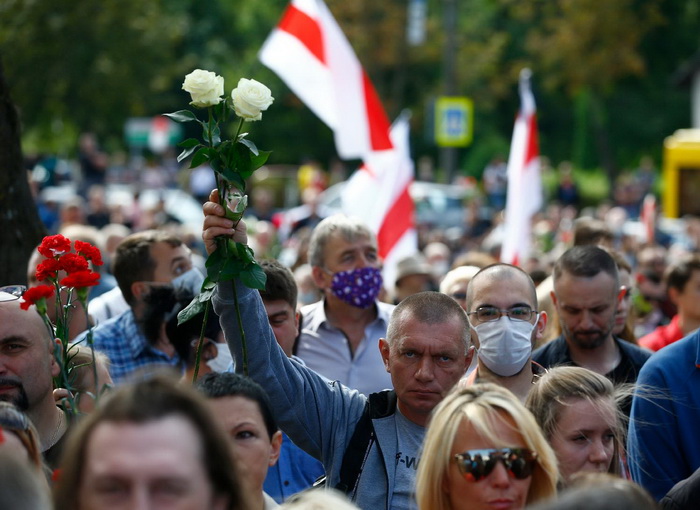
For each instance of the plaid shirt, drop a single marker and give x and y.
(131, 356)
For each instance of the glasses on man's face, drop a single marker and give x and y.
(477, 464)
(11, 292)
(491, 313)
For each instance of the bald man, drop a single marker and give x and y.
(27, 366)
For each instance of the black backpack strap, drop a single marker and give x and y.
(379, 405)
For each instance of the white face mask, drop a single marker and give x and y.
(505, 345)
(223, 358)
(190, 281)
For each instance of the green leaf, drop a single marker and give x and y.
(214, 264)
(206, 295)
(190, 142)
(234, 178)
(182, 116)
(202, 156)
(250, 144)
(260, 159)
(186, 154)
(193, 309)
(254, 277)
(232, 268)
(245, 253)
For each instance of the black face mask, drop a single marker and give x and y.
(162, 306)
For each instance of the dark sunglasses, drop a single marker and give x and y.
(477, 464)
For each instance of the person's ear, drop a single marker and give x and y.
(673, 295)
(541, 324)
(276, 448)
(297, 316)
(554, 298)
(55, 351)
(469, 357)
(319, 276)
(139, 290)
(385, 351)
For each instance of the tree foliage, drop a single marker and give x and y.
(601, 69)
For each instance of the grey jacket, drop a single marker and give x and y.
(317, 414)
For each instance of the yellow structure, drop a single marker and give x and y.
(681, 173)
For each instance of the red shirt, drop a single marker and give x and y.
(663, 335)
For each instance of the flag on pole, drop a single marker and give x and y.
(524, 196)
(309, 51)
(378, 193)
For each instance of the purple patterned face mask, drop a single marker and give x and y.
(357, 287)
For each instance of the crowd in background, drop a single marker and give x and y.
(657, 286)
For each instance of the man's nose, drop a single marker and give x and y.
(426, 370)
(587, 320)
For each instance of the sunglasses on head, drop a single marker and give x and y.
(477, 464)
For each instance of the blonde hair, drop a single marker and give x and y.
(555, 389)
(480, 405)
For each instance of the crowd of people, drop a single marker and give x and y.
(465, 383)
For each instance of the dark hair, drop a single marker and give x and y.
(280, 284)
(678, 274)
(428, 308)
(133, 261)
(590, 231)
(143, 402)
(229, 384)
(163, 304)
(586, 262)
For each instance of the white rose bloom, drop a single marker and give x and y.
(205, 87)
(250, 99)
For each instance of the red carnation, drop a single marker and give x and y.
(52, 246)
(35, 295)
(72, 263)
(89, 251)
(47, 269)
(81, 279)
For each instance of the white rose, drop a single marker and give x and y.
(250, 99)
(205, 87)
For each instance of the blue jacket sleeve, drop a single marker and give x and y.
(317, 414)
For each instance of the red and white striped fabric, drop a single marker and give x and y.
(379, 194)
(309, 51)
(648, 218)
(524, 197)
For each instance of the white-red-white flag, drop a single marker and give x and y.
(309, 51)
(378, 193)
(524, 197)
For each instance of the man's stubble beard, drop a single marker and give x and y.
(20, 400)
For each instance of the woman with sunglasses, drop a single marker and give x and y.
(484, 450)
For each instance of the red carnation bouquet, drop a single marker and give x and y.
(67, 267)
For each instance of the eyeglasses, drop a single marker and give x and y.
(491, 313)
(11, 292)
(477, 464)
(461, 296)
